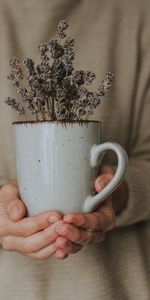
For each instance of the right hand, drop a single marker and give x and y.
(31, 236)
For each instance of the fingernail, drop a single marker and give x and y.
(53, 219)
(100, 187)
(14, 211)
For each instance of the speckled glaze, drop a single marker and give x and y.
(57, 164)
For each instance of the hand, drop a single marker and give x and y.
(31, 236)
(84, 229)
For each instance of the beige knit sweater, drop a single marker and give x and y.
(110, 35)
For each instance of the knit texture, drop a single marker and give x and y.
(110, 36)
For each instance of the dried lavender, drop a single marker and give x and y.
(12, 102)
(53, 90)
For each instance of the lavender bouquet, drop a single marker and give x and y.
(52, 89)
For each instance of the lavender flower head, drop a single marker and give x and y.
(53, 89)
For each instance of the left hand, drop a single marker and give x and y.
(79, 229)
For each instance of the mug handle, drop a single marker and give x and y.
(92, 202)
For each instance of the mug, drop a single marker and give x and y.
(57, 163)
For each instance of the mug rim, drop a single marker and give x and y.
(56, 122)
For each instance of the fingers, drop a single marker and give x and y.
(79, 236)
(41, 246)
(27, 226)
(12, 211)
(67, 246)
(10, 189)
(45, 253)
(91, 226)
(33, 243)
(84, 221)
(102, 181)
(59, 254)
(107, 215)
(103, 219)
(31, 236)
(15, 209)
(60, 249)
(10, 202)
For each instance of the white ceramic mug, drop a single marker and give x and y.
(57, 163)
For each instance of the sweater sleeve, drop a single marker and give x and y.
(138, 173)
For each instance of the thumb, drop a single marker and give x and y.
(15, 209)
(11, 204)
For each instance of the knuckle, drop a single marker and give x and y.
(22, 230)
(15, 206)
(66, 226)
(67, 230)
(96, 220)
(78, 237)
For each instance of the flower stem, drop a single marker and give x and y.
(53, 109)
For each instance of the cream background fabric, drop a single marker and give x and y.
(110, 36)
